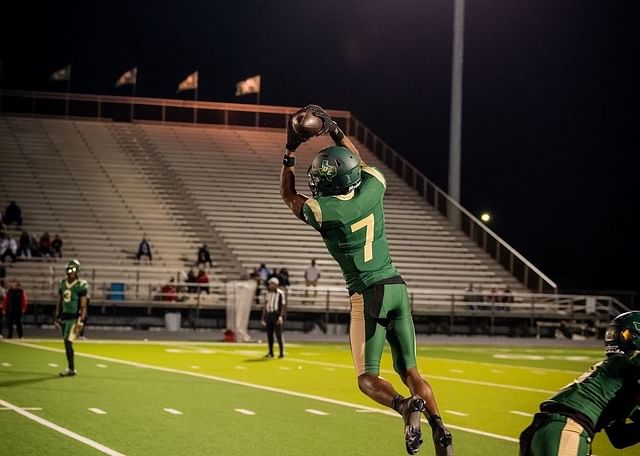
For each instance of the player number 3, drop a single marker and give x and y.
(368, 223)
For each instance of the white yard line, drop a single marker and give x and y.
(6, 364)
(173, 411)
(316, 412)
(97, 411)
(30, 409)
(453, 412)
(101, 366)
(260, 387)
(61, 430)
(245, 411)
(52, 365)
(519, 413)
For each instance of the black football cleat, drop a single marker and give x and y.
(68, 373)
(442, 439)
(411, 411)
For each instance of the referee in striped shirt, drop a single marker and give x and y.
(273, 315)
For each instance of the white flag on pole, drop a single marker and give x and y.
(189, 83)
(63, 74)
(128, 77)
(249, 85)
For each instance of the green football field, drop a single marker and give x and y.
(198, 398)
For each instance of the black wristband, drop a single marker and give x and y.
(288, 160)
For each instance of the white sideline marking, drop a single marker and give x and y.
(366, 411)
(437, 377)
(173, 411)
(518, 412)
(6, 364)
(316, 412)
(245, 411)
(97, 411)
(456, 371)
(240, 367)
(61, 430)
(53, 365)
(102, 366)
(261, 387)
(453, 412)
(31, 409)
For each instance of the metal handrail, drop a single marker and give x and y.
(373, 142)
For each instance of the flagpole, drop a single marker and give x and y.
(66, 99)
(195, 107)
(133, 95)
(258, 112)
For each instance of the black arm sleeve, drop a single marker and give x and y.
(623, 435)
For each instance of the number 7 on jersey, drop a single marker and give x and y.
(368, 222)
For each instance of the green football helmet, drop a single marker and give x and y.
(73, 266)
(623, 334)
(334, 170)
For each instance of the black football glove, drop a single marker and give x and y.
(328, 125)
(294, 139)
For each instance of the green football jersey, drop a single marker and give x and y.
(352, 228)
(71, 293)
(603, 389)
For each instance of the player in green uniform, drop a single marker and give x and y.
(71, 311)
(346, 208)
(604, 397)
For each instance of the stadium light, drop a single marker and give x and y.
(485, 217)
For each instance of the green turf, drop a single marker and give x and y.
(479, 382)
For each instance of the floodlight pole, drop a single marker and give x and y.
(455, 126)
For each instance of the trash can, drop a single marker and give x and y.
(172, 321)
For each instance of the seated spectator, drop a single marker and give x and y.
(24, 245)
(3, 227)
(56, 247)
(264, 272)
(144, 249)
(283, 277)
(45, 244)
(204, 257)
(169, 291)
(13, 214)
(203, 281)
(470, 297)
(192, 279)
(35, 247)
(8, 247)
(507, 298)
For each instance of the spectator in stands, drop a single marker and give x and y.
(204, 257)
(14, 305)
(311, 277)
(264, 272)
(3, 227)
(492, 297)
(507, 298)
(283, 277)
(192, 279)
(470, 297)
(13, 214)
(144, 249)
(8, 247)
(255, 276)
(24, 245)
(56, 247)
(45, 244)
(203, 281)
(169, 291)
(35, 247)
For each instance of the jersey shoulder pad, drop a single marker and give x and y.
(312, 213)
(375, 172)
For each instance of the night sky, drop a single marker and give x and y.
(551, 119)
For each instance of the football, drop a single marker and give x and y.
(306, 124)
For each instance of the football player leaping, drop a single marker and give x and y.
(346, 208)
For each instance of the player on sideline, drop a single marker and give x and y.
(601, 398)
(71, 311)
(346, 208)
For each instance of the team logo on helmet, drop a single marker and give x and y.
(636, 325)
(327, 170)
